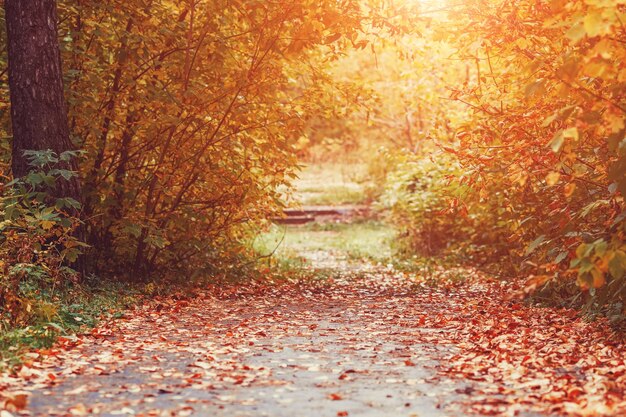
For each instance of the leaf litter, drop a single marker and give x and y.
(367, 341)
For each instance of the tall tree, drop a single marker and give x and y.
(38, 109)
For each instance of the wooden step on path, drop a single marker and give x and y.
(311, 213)
(293, 220)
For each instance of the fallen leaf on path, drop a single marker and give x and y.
(16, 402)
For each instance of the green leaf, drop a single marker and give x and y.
(617, 265)
(133, 229)
(561, 256)
(584, 250)
(534, 245)
(65, 173)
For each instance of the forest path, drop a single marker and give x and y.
(360, 340)
(346, 348)
(350, 337)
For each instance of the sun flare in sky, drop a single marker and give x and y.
(426, 4)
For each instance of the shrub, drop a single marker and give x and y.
(38, 242)
(417, 194)
(438, 211)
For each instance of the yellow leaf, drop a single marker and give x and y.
(604, 48)
(571, 133)
(552, 178)
(47, 224)
(621, 77)
(523, 43)
(576, 32)
(79, 410)
(595, 69)
(594, 24)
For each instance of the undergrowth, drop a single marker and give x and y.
(68, 310)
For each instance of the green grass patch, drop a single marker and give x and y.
(331, 184)
(360, 240)
(332, 196)
(69, 311)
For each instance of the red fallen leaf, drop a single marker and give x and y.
(335, 397)
(502, 348)
(574, 393)
(102, 370)
(16, 402)
(409, 362)
(342, 413)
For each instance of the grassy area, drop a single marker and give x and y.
(66, 312)
(361, 240)
(367, 240)
(331, 184)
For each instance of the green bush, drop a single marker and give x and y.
(437, 212)
(38, 243)
(418, 195)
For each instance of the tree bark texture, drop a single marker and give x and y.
(38, 108)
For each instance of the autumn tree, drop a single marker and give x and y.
(541, 172)
(188, 113)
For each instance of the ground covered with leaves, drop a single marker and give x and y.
(358, 339)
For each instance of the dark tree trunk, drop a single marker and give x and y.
(38, 110)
